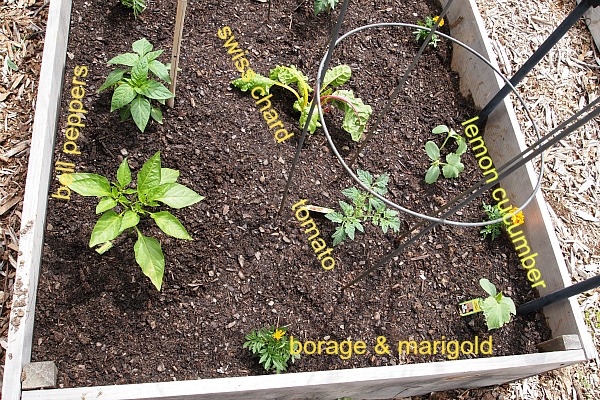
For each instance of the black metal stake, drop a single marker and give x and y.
(559, 295)
(536, 57)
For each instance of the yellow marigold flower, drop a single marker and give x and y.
(435, 19)
(278, 334)
(518, 218)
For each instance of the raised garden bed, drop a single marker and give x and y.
(250, 269)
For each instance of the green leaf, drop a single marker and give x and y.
(124, 174)
(257, 81)
(335, 216)
(351, 192)
(347, 209)
(139, 72)
(128, 59)
(155, 90)
(432, 150)
(289, 75)
(488, 286)
(148, 178)
(175, 195)
(324, 5)
(450, 171)
(130, 219)
(338, 236)
(142, 46)
(170, 225)
(105, 204)
(337, 76)
(11, 64)
(432, 174)
(160, 70)
(349, 230)
(153, 55)
(140, 111)
(168, 175)
(497, 313)
(365, 177)
(106, 229)
(123, 95)
(353, 124)
(113, 78)
(90, 185)
(125, 113)
(454, 160)
(440, 129)
(462, 145)
(150, 258)
(314, 120)
(156, 115)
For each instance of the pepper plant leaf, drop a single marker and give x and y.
(87, 184)
(149, 256)
(142, 46)
(175, 195)
(123, 95)
(105, 204)
(106, 229)
(127, 59)
(113, 78)
(140, 112)
(130, 219)
(124, 174)
(150, 175)
(155, 90)
(160, 70)
(170, 225)
(168, 175)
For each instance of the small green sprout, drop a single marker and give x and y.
(272, 346)
(453, 166)
(364, 207)
(324, 5)
(421, 34)
(496, 308)
(138, 6)
(493, 231)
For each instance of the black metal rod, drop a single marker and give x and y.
(559, 295)
(536, 57)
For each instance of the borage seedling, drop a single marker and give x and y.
(365, 207)
(453, 166)
(154, 185)
(421, 34)
(324, 5)
(356, 113)
(134, 89)
(496, 308)
(272, 346)
(138, 6)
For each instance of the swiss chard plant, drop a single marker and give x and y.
(138, 6)
(123, 203)
(453, 166)
(324, 5)
(134, 86)
(496, 308)
(356, 113)
(364, 207)
(272, 347)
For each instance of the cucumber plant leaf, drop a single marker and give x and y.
(496, 308)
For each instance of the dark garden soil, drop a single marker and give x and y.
(100, 318)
